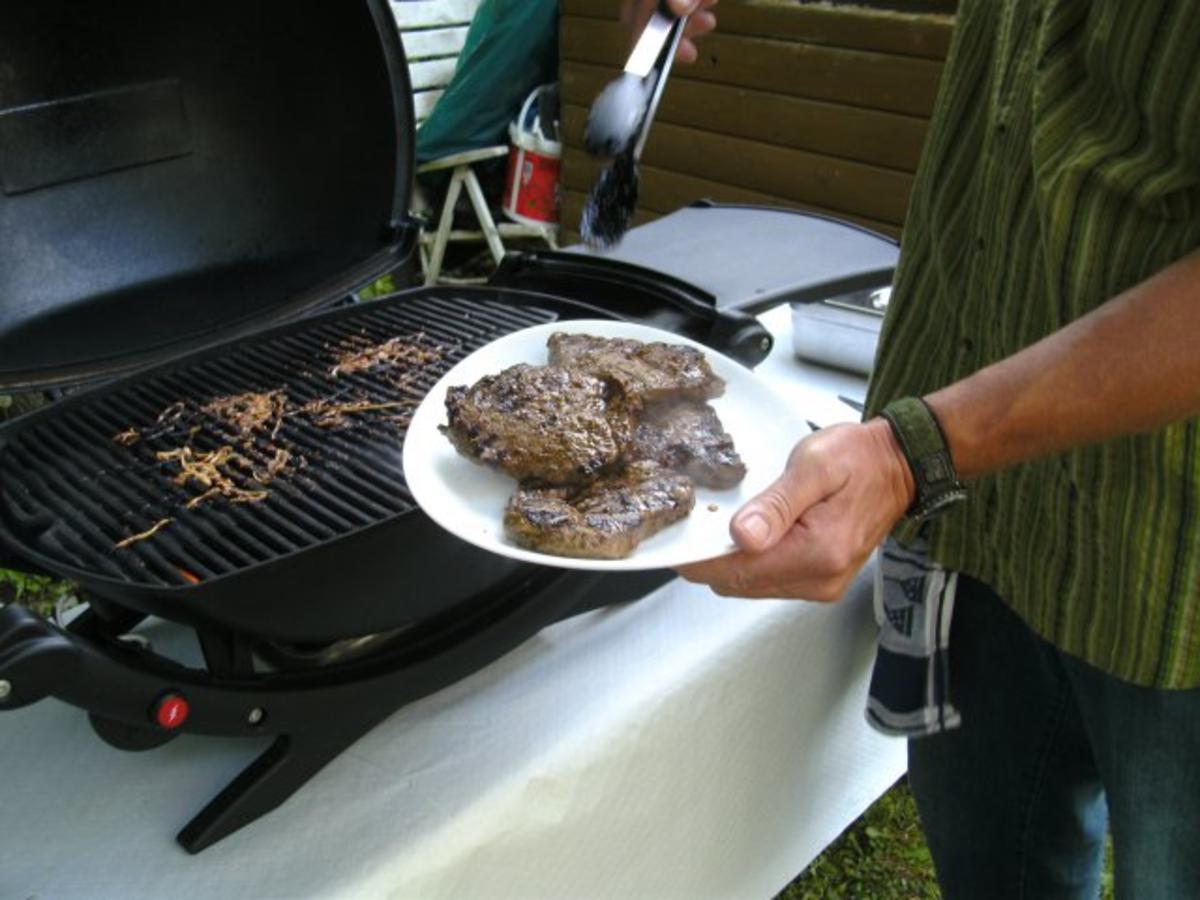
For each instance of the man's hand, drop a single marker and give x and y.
(807, 535)
(636, 13)
(1092, 380)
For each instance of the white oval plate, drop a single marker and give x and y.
(468, 499)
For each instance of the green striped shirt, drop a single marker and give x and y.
(1062, 166)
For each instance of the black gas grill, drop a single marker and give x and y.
(187, 199)
(324, 605)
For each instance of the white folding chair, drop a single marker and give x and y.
(433, 32)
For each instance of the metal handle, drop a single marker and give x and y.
(650, 42)
(659, 85)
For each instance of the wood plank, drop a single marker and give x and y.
(571, 211)
(666, 191)
(854, 27)
(799, 175)
(853, 77)
(433, 43)
(883, 138)
(433, 13)
(673, 190)
(434, 73)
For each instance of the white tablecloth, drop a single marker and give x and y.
(680, 746)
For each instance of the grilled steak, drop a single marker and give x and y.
(605, 520)
(688, 437)
(652, 372)
(606, 441)
(553, 425)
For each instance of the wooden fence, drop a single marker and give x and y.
(792, 104)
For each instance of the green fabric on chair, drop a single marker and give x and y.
(511, 48)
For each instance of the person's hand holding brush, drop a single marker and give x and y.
(621, 114)
(636, 13)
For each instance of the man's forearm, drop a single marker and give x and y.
(1129, 366)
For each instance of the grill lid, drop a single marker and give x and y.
(175, 175)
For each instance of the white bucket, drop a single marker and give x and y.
(531, 186)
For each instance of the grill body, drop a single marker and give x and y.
(174, 185)
(334, 600)
(336, 550)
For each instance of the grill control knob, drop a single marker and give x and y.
(171, 711)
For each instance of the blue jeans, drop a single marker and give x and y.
(1015, 802)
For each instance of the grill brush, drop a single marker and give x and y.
(618, 124)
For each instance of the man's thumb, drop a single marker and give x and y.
(764, 520)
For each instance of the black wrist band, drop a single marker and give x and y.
(925, 450)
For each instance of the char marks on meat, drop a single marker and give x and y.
(608, 441)
(605, 520)
(549, 424)
(687, 437)
(653, 372)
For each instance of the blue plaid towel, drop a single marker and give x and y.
(914, 600)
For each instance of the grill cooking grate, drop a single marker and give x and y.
(73, 492)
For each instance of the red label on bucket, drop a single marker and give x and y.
(534, 193)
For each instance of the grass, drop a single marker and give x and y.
(883, 856)
(37, 592)
(880, 856)
(381, 288)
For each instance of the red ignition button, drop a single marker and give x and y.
(171, 711)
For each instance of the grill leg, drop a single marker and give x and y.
(226, 653)
(279, 772)
(36, 658)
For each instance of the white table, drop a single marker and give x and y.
(680, 746)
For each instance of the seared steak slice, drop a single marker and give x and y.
(605, 520)
(688, 437)
(652, 371)
(553, 425)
